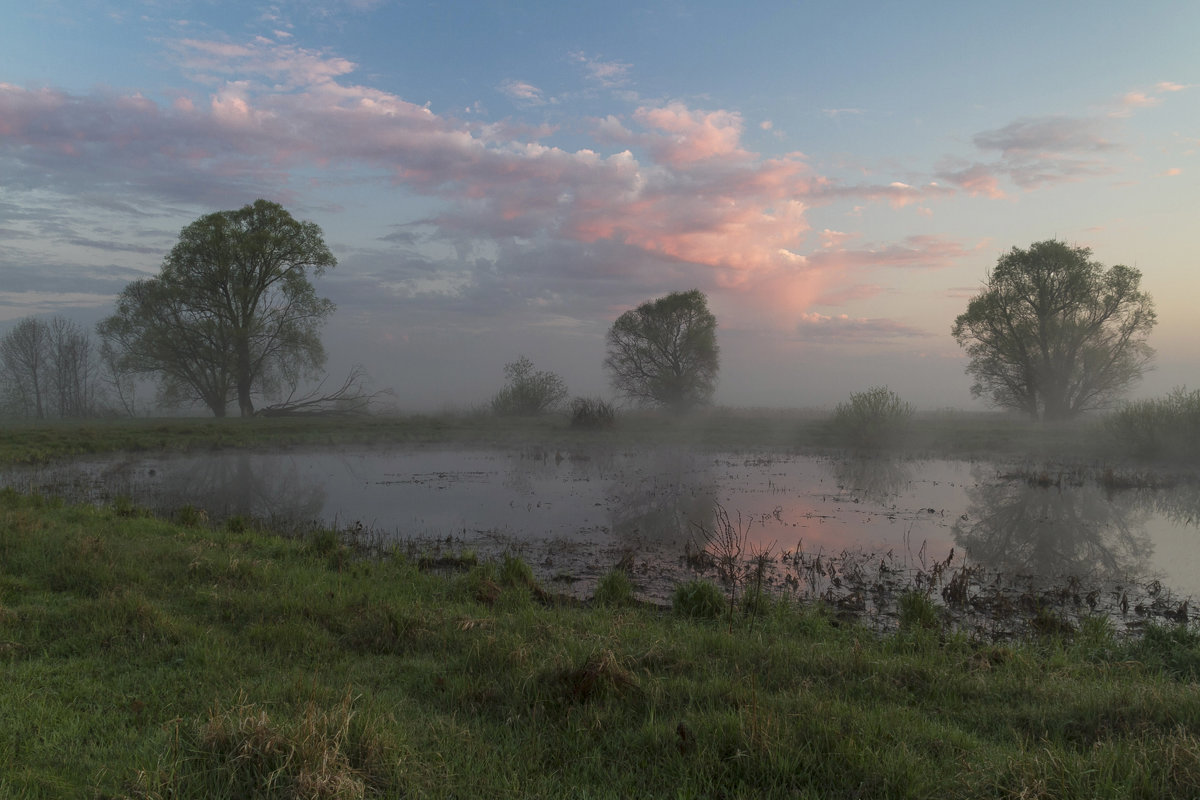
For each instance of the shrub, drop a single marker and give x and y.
(1162, 427)
(592, 413)
(614, 589)
(874, 418)
(703, 599)
(528, 393)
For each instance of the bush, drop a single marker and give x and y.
(614, 589)
(874, 418)
(703, 599)
(1163, 427)
(592, 413)
(528, 393)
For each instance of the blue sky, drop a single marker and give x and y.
(500, 179)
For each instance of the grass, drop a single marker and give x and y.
(1162, 428)
(145, 658)
(946, 433)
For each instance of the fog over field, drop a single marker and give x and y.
(505, 180)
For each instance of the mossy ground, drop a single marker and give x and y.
(142, 658)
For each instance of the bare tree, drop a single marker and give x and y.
(73, 369)
(49, 369)
(23, 358)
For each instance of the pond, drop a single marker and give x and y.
(830, 526)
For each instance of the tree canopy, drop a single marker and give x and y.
(1054, 333)
(665, 353)
(232, 314)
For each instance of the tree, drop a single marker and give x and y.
(23, 358)
(49, 369)
(1054, 334)
(664, 352)
(528, 393)
(232, 313)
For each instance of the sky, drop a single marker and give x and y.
(499, 179)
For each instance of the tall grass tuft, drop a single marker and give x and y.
(240, 751)
(698, 599)
(1162, 427)
(917, 612)
(614, 589)
(874, 418)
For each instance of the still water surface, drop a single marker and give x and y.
(658, 501)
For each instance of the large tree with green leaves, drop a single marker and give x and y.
(1054, 333)
(664, 352)
(232, 314)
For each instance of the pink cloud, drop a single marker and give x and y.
(1139, 100)
(976, 179)
(684, 193)
(683, 137)
(831, 238)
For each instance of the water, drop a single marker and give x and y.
(592, 505)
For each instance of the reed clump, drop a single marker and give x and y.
(1162, 428)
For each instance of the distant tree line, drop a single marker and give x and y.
(50, 369)
(233, 318)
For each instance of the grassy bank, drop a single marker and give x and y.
(963, 434)
(147, 660)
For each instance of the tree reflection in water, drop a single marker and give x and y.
(269, 488)
(877, 478)
(1022, 527)
(663, 501)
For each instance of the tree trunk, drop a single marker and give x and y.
(245, 404)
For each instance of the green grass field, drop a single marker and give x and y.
(966, 434)
(144, 659)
